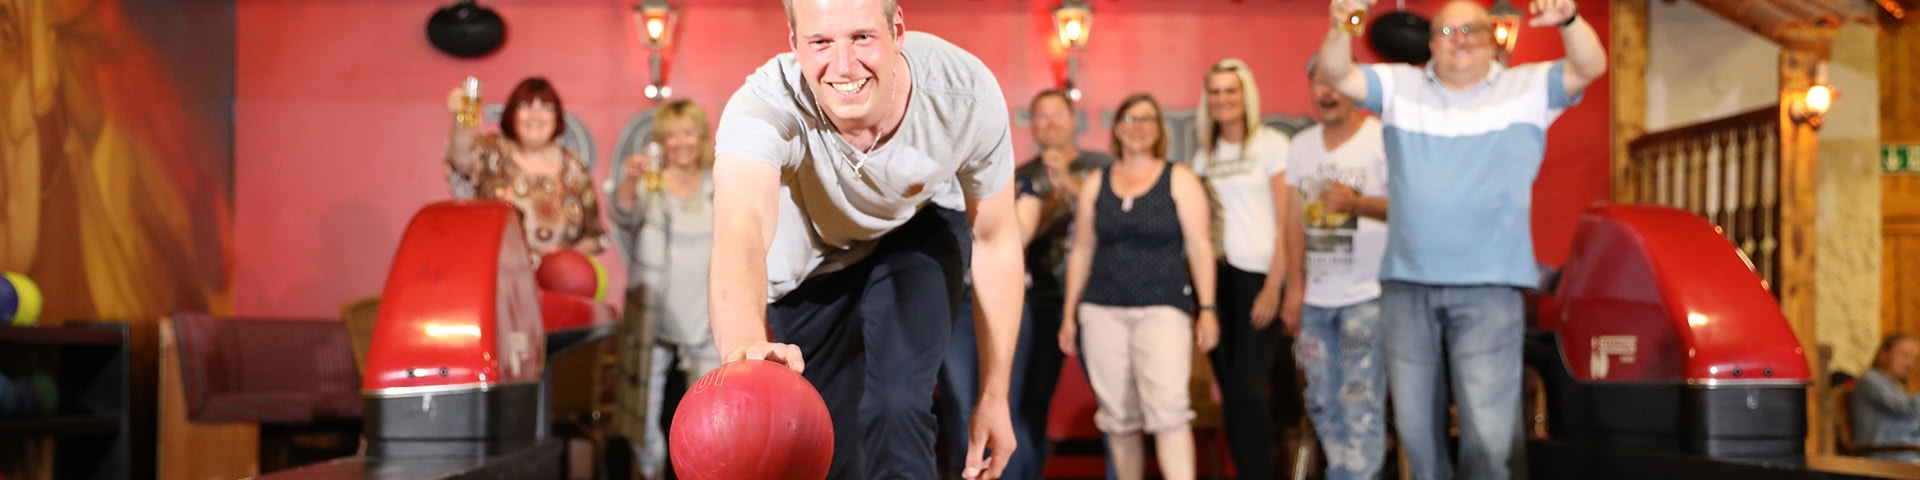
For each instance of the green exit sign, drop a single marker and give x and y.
(1900, 158)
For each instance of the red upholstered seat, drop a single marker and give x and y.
(270, 370)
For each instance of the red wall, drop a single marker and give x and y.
(340, 116)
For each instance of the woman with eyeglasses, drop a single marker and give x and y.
(1243, 164)
(524, 166)
(1139, 264)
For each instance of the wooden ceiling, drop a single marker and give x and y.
(1793, 21)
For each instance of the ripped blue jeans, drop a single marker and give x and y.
(1342, 352)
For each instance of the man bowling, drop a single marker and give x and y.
(842, 168)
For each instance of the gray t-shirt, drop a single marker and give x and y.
(955, 140)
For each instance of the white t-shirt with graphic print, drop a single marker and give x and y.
(1343, 250)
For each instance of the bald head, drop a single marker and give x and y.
(1458, 12)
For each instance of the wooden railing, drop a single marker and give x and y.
(1726, 170)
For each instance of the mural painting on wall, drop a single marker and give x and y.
(116, 154)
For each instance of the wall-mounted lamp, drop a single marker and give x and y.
(657, 21)
(1073, 23)
(1506, 24)
(1810, 106)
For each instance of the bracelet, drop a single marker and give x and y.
(1570, 20)
(1206, 308)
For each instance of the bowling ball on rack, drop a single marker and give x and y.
(571, 272)
(20, 300)
(751, 419)
(26, 399)
(46, 393)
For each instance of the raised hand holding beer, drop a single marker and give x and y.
(1351, 15)
(464, 102)
(651, 166)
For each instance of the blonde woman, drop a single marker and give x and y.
(1243, 164)
(665, 206)
(1138, 267)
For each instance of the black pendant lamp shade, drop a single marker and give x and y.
(466, 30)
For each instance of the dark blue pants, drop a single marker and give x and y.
(1036, 371)
(872, 336)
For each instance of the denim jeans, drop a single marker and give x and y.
(1480, 330)
(1342, 351)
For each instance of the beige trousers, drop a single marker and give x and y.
(1139, 360)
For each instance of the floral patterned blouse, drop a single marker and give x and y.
(556, 213)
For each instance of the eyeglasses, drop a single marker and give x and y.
(1139, 119)
(1053, 114)
(1471, 30)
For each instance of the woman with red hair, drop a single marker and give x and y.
(524, 166)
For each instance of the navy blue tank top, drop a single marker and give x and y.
(1141, 259)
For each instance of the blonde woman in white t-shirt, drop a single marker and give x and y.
(1242, 163)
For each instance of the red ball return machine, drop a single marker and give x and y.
(456, 382)
(1663, 355)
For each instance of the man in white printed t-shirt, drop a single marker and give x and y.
(1338, 170)
(841, 171)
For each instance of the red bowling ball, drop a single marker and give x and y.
(751, 419)
(568, 271)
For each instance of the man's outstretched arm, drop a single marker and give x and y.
(999, 284)
(998, 281)
(745, 214)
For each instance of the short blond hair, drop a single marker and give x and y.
(888, 8)
(685, 111)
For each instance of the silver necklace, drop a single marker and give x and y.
(858, 164)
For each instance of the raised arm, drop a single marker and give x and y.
(1335, 62)
(1195, 216)
(1586, 58)
(461, 158)
(745, 214)
(626, 197)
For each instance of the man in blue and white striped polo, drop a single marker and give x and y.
(1465, 137)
